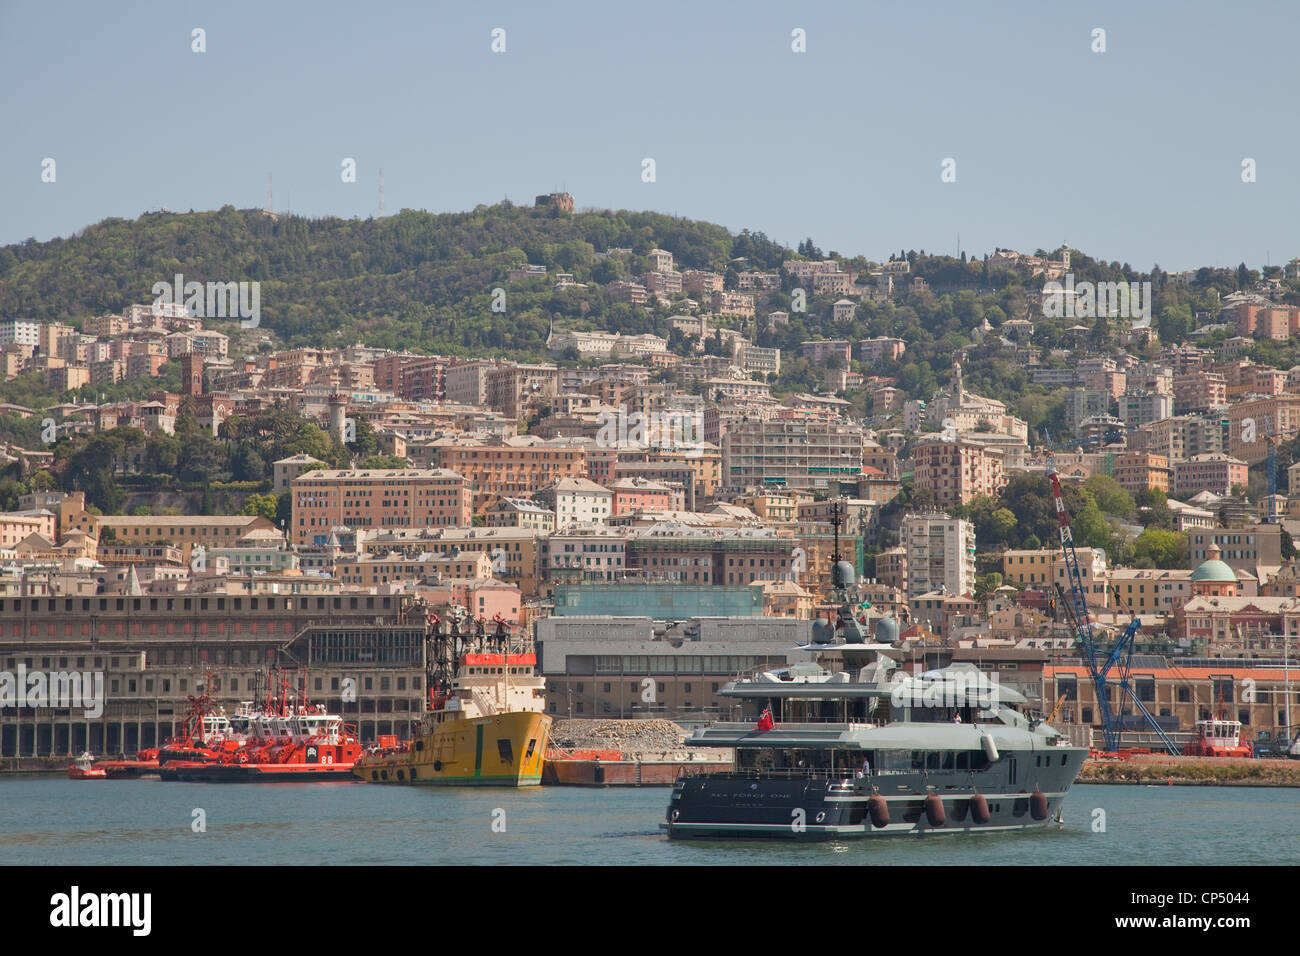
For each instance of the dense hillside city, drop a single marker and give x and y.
(217, 424)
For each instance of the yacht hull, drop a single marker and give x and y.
(1017, 795)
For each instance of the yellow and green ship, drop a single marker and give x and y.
(489, 730)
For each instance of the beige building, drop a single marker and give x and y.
(509, 467)
(284, 471)
(377, 498)
(184, 531)
(957, 471)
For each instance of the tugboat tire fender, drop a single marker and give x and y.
(1038, 805)
(934, 810)
(878, 810)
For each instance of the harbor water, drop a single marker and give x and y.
(53, 820)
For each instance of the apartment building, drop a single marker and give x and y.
(823, 350)
(509, 467)
(577, 501)
(1044, 568)
(466, 383)
(733, 303)
(758, 282)
(183, 531)
(633, 493)
(881, 349)
(1215, 473)
(730, 556)
(1242, 549)
(957, 471)
(664, 283)
(699, 282)
(1145, 591)
(832, 283)
(581, 553)
(1138, 471)
(1084, 403)
(377, 498)
(939, 554)
(513, 389)
(1181, 436)
(631, 292)
(20, 332)
(1140, 405)
(1249, 423)
(804, 455)
(376, 570)
(516, 553)
(1198, 391)
(521, 513)
(755, 359)
(703, 461)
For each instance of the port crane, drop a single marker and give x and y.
(1120, 655)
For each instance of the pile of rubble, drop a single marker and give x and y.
(652, 734)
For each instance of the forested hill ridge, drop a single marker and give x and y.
(416, 279)
(425, 281)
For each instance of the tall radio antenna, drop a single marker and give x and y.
(381, 192)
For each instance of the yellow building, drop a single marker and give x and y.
(787, 599)
(184, 531)
(770, 507)
(513, 550)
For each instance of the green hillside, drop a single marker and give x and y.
(415, 280)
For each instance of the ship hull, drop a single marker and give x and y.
(622, 773)
(255, 773)
(117, 769)
(504, 750)
(743, 806)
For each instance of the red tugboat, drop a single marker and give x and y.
(1218, 737)
(283, 742)
(83, 768)
(206, 727)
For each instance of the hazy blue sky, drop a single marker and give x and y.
(1133, 154)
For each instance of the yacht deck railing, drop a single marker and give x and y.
(792, 773)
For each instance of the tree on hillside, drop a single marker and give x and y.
(1157, 548)
(385, 461)
(264, 505)
(1110, 497)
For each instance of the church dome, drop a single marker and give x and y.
(1214, 570)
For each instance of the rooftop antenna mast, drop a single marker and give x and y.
(381, 192)
(837, 517)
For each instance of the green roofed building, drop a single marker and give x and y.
(658, 600)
